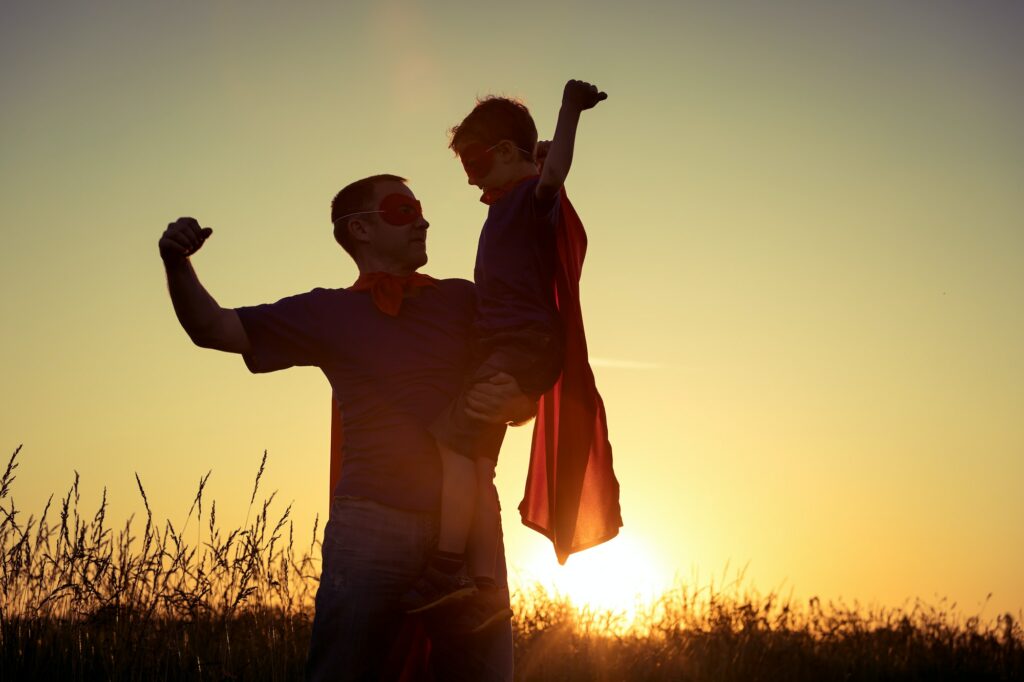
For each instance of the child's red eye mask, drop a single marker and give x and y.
(477, 160)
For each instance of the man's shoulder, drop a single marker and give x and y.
(457, 292)
(327, 296)
(327, 293)
(315, 297)
(457, 285)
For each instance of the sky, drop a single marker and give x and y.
(804, 293)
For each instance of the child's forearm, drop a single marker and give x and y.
(577, 97)
(559, 158)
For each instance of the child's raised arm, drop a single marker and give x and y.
(577, 97)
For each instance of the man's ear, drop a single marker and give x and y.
(358, 230)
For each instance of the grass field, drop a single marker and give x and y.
(84, 601)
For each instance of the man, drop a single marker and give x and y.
(396, 348)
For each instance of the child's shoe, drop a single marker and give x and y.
(487, 607)
(436, 588)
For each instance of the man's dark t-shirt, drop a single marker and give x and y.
(391, 375)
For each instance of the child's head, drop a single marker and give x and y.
(495, 142)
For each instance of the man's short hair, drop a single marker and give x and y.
(353, 198)
(494, 119)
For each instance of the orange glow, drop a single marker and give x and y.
(618, 576)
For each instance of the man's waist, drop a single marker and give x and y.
(411, 482)
(382, 506)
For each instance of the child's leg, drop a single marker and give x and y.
(462, 442)
(442, 580)
(482, 545)
(458, 500)
(489, 606)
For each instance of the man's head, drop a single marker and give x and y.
(495, 142)
(378, 221)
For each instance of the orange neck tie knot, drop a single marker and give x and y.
(389, 290)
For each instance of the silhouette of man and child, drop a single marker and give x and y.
(426, 375)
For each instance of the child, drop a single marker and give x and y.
(519, 334)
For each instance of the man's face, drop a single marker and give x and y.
(403, 245)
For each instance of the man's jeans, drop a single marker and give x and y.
(371, 555)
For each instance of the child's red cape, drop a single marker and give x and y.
(572, 495)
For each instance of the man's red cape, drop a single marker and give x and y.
(572, 495)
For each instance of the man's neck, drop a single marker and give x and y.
(369, 264)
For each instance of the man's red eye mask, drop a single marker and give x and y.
(395, 209)
(400, 209)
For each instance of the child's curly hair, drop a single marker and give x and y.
(494, 119)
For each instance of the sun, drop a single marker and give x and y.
(618, 575)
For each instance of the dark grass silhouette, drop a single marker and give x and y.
(82, 601)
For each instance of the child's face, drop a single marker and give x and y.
(488, 166)
(478, 162)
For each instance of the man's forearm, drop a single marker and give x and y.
(559, 159)
(197, 311)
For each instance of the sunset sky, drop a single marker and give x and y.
(804, 293)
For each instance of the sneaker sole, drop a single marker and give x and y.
(446, 599)
(504, 614)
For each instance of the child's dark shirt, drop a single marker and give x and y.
(515, 263)
(518, 326)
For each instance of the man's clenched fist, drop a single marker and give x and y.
(182, 238)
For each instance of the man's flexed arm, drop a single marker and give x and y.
(577, 97)
(205, 322)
